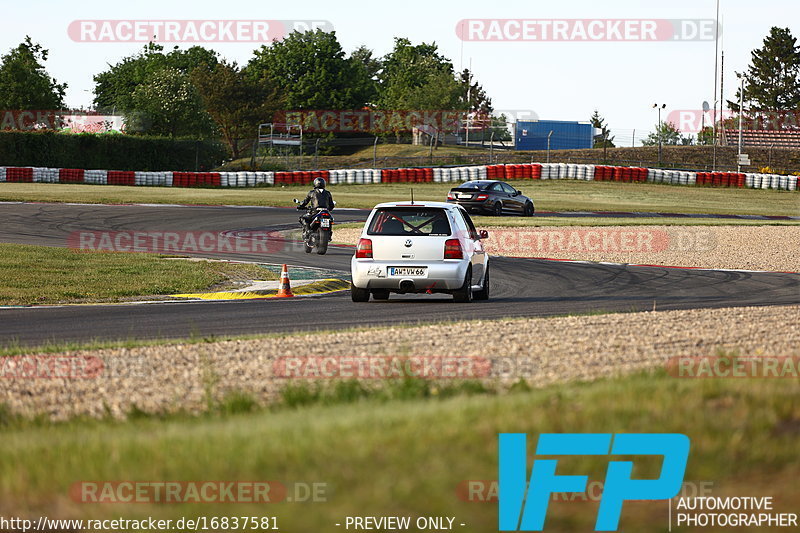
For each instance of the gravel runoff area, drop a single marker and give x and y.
(159, 379)
(772, 248)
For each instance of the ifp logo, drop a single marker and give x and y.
(523, 506)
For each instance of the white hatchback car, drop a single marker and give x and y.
(420, 247)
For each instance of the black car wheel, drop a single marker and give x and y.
(483, 294)
(529, 209)
(464, 294)
(498, 209)
(358, 295)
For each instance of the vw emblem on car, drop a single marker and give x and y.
(408, 243)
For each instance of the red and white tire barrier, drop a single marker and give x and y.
(531, 171)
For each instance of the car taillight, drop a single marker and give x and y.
(451, 196)
(364, 249)
(481, 197)
(452, 249)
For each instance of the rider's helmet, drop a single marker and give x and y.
(319, 183)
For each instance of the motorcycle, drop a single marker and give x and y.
(318, 232)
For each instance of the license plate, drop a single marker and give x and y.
(325, 223)
(464, 196)
(409, 272)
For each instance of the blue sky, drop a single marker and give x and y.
(556, 80)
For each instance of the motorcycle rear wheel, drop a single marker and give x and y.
(322, 241)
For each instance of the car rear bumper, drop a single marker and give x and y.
(473, 207)
(441, 275)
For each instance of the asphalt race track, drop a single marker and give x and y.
(520, 287)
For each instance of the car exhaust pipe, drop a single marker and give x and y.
(407, 286)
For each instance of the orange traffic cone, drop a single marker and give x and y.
(285, 290)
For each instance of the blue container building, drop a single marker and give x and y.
(532, 135)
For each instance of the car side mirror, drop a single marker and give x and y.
(483, 234)
(517, 193)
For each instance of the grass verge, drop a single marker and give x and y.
(44, 275)
(549, 195)
(412, 457)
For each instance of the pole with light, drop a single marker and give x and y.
(716, 67)
(741, 77)
(659, 130)
(714, 135)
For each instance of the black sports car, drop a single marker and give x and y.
(492, 197)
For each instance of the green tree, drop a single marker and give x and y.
(313, 71)
(705, 136)
(364, 59)
(475, 98)
(440, 91)
(236, 102)
(602, 140)
(166, 103)
(773, 77)
(418, 77)
(477, 103)
(114, 87)
(498, 126)
(24, 83)
(669, 135)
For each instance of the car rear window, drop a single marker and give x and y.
(406, 221)
(471, 185)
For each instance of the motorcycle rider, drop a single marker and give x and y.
(316, 197)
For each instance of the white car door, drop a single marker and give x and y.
(473, 245)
